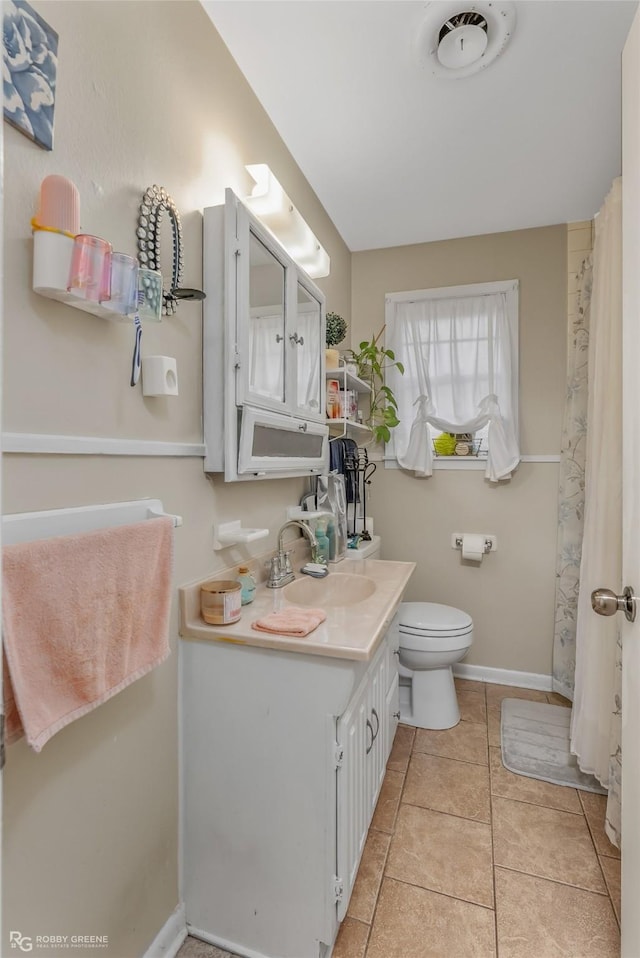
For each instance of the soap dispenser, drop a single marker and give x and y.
(322, 540)
(247, 583)
(331, 536)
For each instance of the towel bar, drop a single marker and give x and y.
(27, 526)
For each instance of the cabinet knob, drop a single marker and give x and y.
(396, 715)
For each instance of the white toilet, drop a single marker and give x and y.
(432, 638)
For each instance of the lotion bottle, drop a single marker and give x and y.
(247, 584)
(322, 540)
(331, 536)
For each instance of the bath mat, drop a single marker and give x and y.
(535, 743)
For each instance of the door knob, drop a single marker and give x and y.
(606, 602)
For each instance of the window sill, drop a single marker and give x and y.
(470, 462)
(447, 462)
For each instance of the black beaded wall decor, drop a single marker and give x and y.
(155, 202)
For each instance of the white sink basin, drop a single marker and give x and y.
(335, 591)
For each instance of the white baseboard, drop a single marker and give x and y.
(169, 939)
(522, 680)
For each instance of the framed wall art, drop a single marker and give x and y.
(30, 66)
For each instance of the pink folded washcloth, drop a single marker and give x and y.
(291, 621)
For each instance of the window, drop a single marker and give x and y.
(459, 348)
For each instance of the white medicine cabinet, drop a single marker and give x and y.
(264, 333)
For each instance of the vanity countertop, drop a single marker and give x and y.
(349, 632)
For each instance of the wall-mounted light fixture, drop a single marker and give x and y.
(272, 206)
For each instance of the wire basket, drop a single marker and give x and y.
(464, 446)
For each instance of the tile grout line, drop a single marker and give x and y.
(556, 881)
(386, 857)
(493, 850)
(598, 858)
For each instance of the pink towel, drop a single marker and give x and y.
(290, 621)
(84, 616)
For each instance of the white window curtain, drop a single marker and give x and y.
(460, 359)
(266, 355)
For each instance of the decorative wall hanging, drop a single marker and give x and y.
(30, 61)
(155, 202)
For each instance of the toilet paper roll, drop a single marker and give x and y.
(472, 547)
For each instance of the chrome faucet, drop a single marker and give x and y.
(280, 572)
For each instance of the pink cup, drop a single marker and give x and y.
(89, 276)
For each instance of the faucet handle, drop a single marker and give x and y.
(285, 563)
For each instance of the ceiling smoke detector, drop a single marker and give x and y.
(458, 39)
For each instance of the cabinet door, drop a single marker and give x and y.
(261, 318)
(353, 810)
(307, 342)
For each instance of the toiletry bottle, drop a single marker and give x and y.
(248, 584)
(331, 536)
(322, 540)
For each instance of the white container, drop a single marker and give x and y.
(159, 376)
(51, 264)
(366, 550)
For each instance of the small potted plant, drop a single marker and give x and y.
(336, 331)
(371, 361)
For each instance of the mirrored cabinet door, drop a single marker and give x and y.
(265, 375)
(308, 341)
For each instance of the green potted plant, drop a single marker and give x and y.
(371, 361)
(336, 331)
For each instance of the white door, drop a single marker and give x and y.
(631, 491)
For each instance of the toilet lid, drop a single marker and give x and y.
(433, 618)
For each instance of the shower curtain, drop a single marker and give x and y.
(596, 718)
(571, 491)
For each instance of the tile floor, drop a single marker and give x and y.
(465, 859)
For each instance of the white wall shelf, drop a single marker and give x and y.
(343, 426)
(52, 254)
(348, 427)
(348, 380)
(232, 534)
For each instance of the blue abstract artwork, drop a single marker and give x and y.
(29, 70)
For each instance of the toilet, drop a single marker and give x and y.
(431, 639)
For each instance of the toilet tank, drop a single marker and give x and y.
(366, 550)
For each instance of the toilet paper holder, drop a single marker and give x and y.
(490, 542)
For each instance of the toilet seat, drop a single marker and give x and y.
(433, 618)
(423, 625)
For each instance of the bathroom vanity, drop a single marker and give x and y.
(285, 743)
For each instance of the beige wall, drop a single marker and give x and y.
(147, 93)
(511, 594)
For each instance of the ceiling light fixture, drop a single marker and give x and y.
(457, 39)
(272, 206)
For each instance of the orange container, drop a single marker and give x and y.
(220, 601)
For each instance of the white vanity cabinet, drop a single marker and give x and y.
(264, 335)
(283, 758)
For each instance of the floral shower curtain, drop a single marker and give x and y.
(571, 491)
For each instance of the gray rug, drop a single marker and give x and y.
(535, 743)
